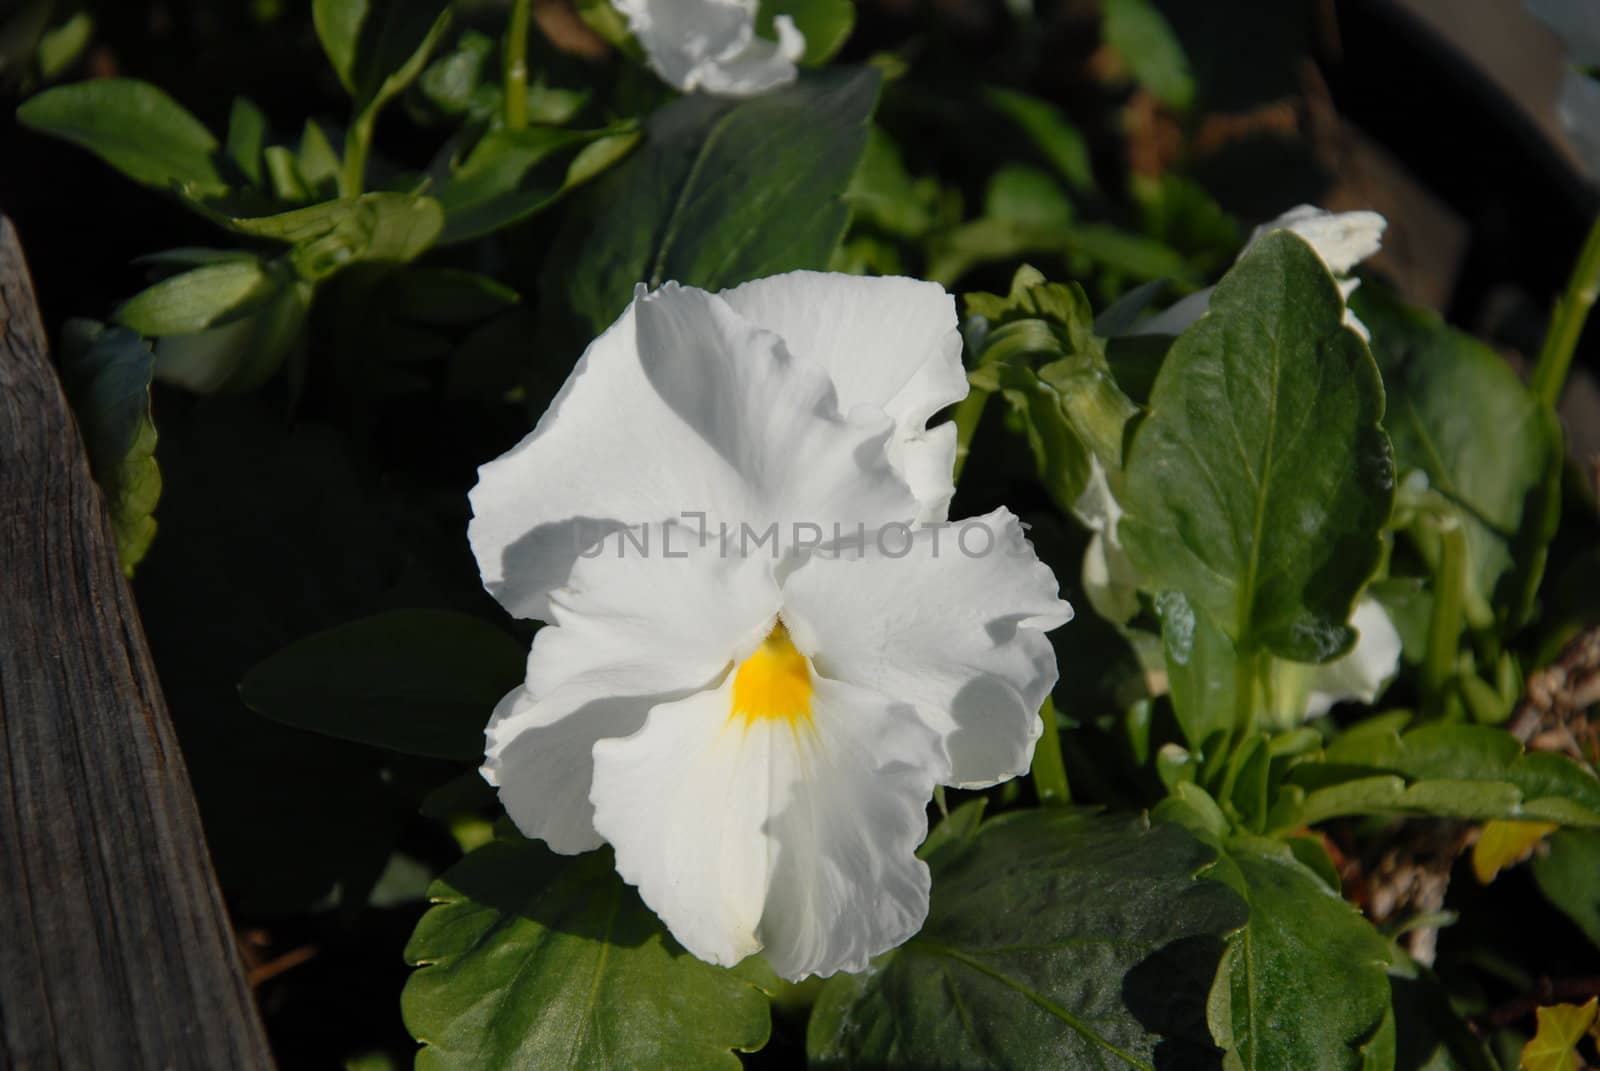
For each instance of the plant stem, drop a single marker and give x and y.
(516, 66)
(1567, 320)
(1444, 627)
(1049, 771)
(1245, 667)
(968, 414)
(353, 178)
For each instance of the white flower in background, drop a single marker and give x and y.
(1109, 578)
(1362, 673)
(1341, 239)
(757, 728)
(1578, 24)
(711, 45)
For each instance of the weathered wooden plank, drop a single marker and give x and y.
(115, 948)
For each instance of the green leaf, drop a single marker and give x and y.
(1147, 43)
(1199, 660)
(512, 174)
(245, 349)
(826, 25)
(529, 959)
(1569, 877)
(1039, 351)
(1444, 389)
(1304, 984)
(61, 47)
(384, 227)
(883, 193)
(1475, 772)
(1054, 939)
(719, 193)
(106, 372)
(247, 132)
(421, 682)
(1057, 139)
(376, 48)
(134, 127)
(1027, 195)
(1260, 480)
(317, 162)
(197, 299)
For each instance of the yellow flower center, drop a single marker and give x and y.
(774, 682)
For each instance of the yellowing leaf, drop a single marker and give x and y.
(1506, 843)
(1555, 1045)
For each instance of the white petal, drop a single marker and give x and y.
(888, 343)
(1109, 578)
(799, 840)
(928, 461)
(1578, 23)
(1341, 239)
(711, 45)
(954, 626)
(682, 406)
(630, 632)
(1363, 673)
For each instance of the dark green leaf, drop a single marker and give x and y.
(106, 372)
(1199, 661)
(1138, 30)
(1054, 939)
(719, 193)
(511, 174)
(134, 127)
(1304, 984)
(1260, 481)
(421, 682)
(1444, 389)
(530, 959)
(446, 296)
(1569, 877)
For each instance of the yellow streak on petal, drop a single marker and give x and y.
(773, 683)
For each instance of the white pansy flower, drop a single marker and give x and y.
(711, 45)
(1362, 673)
(1341, 239)
(756, 727)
